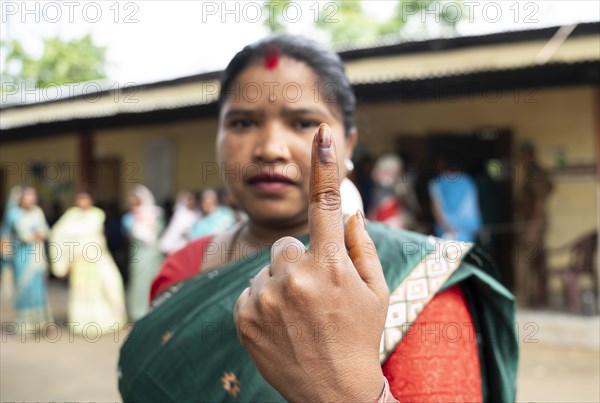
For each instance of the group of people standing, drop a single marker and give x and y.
(150, 240)
(76, 247)
(453, 196)
(97, 291)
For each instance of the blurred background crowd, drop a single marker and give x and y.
(98, 251)
(459, 201)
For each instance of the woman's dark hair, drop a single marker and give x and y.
(327, 65)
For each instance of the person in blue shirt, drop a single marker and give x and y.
(455, 203)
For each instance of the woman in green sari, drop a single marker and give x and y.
(7, 243)
(300, 303)
(143, 225)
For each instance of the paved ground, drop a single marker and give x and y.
(57, 368)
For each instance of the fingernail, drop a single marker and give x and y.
(324, 137)
(361, 219)
(324, 142)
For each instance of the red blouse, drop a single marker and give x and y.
(437, 360)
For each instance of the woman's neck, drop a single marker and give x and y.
(267, 234)
(250, 232)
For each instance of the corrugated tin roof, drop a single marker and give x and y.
(101, 104)
(400, 44)
(466, 61)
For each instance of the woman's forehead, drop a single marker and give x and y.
(292, 85)
(286, 68)
(291, 81)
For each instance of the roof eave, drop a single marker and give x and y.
(436, 88)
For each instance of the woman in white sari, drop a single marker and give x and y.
(78, 248)
(185, 214)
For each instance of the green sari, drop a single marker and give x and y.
(186, 349)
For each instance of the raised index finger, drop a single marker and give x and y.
(325, 220)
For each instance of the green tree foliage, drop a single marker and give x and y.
(273, 15)
(346, 22)
(61, 62)
(421, 13)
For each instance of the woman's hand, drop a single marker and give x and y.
(312, 320)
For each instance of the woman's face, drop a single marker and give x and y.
(266, 129)
(83, 201)
(134, 200)
(190, 202)
(28, 198)
(210, 202)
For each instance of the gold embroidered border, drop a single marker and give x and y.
(418, 288)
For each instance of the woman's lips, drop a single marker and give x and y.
(270, 183)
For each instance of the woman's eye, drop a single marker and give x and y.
(305, 124)
(242, 124)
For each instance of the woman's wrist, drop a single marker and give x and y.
(367, 387)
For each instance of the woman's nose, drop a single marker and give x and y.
(272, 145)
